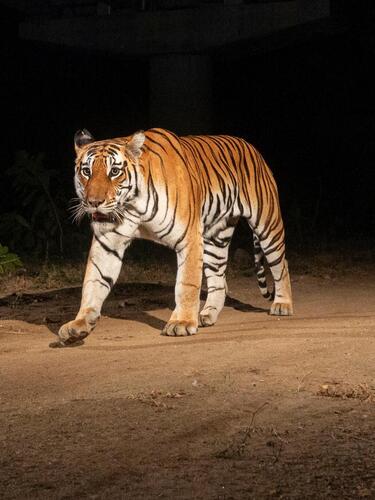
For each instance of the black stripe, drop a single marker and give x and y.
(107, 279)
(106, 248)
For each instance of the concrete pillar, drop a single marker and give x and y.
(181, 93)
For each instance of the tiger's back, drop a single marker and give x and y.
(235, 172)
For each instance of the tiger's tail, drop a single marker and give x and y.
(260, 271)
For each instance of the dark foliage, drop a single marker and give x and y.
(37, 223)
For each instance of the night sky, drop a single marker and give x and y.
(309, 107)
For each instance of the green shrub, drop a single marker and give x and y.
(8, 261)
(35, 225)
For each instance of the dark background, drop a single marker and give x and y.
(309, 107)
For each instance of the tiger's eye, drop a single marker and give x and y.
(86, 171)
(114, 171)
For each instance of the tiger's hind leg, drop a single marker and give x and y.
(215, 259)
(273, 246)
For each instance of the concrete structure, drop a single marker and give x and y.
(181, 92)
(179, 43)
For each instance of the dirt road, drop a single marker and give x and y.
(253, 407)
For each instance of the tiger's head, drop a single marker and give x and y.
(106, 176)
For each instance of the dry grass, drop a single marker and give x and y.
(36, 277)
(344, 390)
(330, 264)
(237, 446)
(161, 266)
(157, 398)
(41, 277)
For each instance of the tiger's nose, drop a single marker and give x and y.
(94, 202)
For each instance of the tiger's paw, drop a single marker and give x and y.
(281, 309)
(208, 317)
(72, 334)
(180, 328)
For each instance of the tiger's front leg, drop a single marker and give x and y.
(103, 268)
(184, 319)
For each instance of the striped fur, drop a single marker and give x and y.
(184, 192)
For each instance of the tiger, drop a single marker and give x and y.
(185, 192)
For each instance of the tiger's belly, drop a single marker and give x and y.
(148, 233)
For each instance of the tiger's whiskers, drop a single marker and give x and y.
(78, 210)
(118, 215)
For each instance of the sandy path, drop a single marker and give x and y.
(254, 407)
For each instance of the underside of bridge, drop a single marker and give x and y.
(178, 39)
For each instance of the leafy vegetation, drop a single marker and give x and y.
(8, 261)
(36, 222)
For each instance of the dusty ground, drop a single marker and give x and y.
(254, 407)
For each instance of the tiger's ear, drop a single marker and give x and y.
(81, 138)
(134, 146)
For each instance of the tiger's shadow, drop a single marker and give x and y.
(127, 301)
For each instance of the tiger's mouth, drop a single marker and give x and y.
(100, 217)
